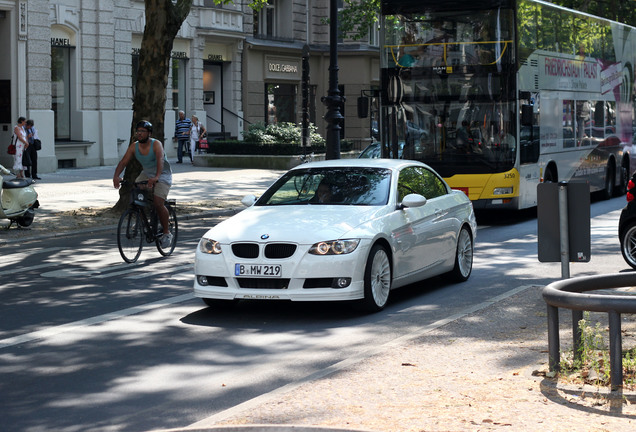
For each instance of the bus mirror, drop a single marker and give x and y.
(363, 107)
(526, 115)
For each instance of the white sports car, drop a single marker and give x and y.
(347, 229)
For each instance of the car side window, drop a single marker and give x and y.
(421, 181)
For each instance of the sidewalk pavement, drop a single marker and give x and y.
(70, 189)
(483, 369)
(67, 191)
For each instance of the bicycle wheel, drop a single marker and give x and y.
(174, 230)
(130, 235)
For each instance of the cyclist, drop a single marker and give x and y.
(156, 170)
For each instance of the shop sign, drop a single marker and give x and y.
(282, 68)
(173, 54)
(60, 42)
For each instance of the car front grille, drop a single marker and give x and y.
(245, 250)
(279, 250)
(272, 250)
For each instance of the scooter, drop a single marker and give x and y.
(18, 200)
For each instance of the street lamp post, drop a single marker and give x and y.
(333, 100)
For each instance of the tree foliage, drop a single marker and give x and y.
(359, 16)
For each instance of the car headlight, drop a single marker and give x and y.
(209, 246)
(334, 247)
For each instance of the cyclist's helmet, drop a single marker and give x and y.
(146, 125)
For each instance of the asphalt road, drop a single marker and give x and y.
(89, 343)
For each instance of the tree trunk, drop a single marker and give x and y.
(163, 21)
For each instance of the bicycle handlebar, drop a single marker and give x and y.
(123, 182)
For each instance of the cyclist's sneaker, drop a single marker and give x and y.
(166, 240)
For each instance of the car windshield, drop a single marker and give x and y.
(330, 185)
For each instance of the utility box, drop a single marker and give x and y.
(577, 221)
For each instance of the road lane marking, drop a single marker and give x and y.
(53, 331)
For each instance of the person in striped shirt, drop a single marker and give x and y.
(182, 134)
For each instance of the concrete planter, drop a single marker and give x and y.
(274, 162)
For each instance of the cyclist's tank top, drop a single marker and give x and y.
(149, 163)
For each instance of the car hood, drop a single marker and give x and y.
(299, 224)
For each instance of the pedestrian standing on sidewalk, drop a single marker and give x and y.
(21, 143)
(182, 135)
(32, 150)
(156, 170)
(196, 132)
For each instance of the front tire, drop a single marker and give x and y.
(173, 227)
(130, 235)
(463, 257)
(628, 245)
(377, 279)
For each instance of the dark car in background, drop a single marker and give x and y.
(627, 225)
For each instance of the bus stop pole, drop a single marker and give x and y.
(563, 230)
(564, 223)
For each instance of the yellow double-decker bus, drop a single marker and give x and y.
(500, 95)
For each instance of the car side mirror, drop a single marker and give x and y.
(248, 200)
(413, 201)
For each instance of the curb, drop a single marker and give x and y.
(264, 428)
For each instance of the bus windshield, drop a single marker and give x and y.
(449, 88)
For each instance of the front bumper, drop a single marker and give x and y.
(303, 277)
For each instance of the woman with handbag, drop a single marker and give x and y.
(21, 143)
(34, 143)
(197, 131)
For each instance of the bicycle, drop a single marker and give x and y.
(135, 225)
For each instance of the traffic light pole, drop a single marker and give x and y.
(333, 100)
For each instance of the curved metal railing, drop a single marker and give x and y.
(569, 294)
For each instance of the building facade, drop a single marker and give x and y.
(70, 65)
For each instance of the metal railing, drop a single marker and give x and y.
(568, 294)
(222, 124)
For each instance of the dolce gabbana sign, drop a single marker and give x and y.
(282, 68)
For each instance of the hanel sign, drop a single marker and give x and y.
(60, 42)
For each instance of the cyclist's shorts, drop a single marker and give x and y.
(161, 189)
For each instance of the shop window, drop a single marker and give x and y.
(5, 101)
(179, 84)
(61, 90)
(280, 103)
(274, 20)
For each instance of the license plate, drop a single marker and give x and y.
(261, 270)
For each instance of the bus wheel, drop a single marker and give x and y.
(608, 192)
(550, 176)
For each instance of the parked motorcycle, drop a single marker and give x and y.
(18, 200)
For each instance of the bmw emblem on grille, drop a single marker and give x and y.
(264, 236)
